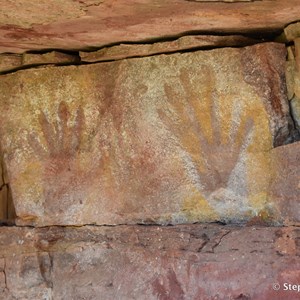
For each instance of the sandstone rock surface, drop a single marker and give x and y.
(292, 31)
(3, 195)
(183, 43)
(285, 187)
(164, 139)
(13, 62)
(10, 61)
(7, 210)
(53, 57)
(293, 72)
(149, 262)
(74, 24)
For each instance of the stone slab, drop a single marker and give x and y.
(53, 57)
(10, 61)
(150, 262)
(292, 31)
(184, 43)
(293, 80)
(285, 187)
(53, 24)
(3, 195)
(163, 139)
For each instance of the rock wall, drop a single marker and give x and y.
(146, 136)
(87, 24)
(150, 262)
(164, 139)
(7, 209)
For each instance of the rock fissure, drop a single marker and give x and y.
(295, 131)
(217, 244)
(183, 43)
(3, 186)
(5, 275)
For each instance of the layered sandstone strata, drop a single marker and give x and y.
(88, 24)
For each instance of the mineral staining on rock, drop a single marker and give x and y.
(148, 262)
(165, 139)
(213, 149)
(58, 149)
(81, 24)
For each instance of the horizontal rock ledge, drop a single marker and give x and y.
(184, 43)
(83, 24)
(11, 62)
(200, 261)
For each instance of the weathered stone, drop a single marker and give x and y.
(183, 43)
(292, 31)
(140, 262)
(3, 203)
(285, 187)
(53, 57)
(165, 139)
(3, 195)
(290, 73)
(293, 80)
(295, 110)
(293, 70)
(9, 62)
(269, 85)
(230, 1)
(53, 24)
(7, 210)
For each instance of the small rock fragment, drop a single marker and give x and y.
(9, 62)
(53, 57)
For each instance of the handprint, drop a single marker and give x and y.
(61, 141)
(59, 148)
(213, 156)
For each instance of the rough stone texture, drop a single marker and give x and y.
(290, 72)
(7, 210)
(10, 61)
(3, 195)
(285, 188)
(293, 72)
(295, 109)
(149, 262)
(229, 1)
(292, 31)
(3, 203)
(166, 139)
(270, 85)
(80, 24)
(183, 43)
(53, 57)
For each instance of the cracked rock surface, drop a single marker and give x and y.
(164, 139)
(82, 24)
(148, 262)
